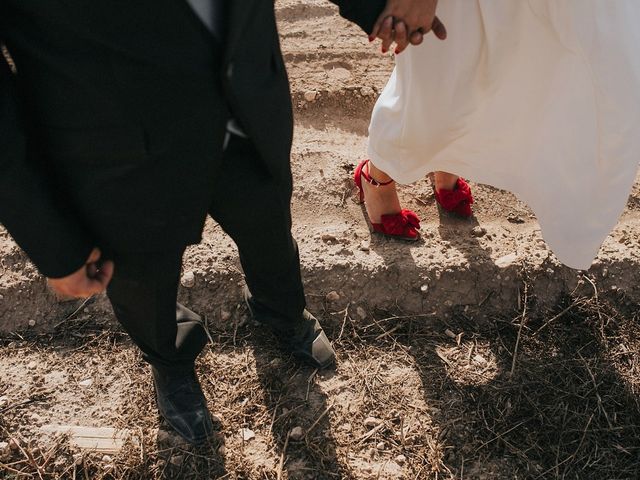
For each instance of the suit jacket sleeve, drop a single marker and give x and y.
(362, 12)
(53, 240)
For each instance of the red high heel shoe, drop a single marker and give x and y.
(456, 201)
(403, 225)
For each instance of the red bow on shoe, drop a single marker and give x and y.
(403, 224)
(458, 200)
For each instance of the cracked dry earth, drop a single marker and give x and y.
(471, 354)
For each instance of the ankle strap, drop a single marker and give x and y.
(369, 179)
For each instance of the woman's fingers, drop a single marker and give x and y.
(401, 36)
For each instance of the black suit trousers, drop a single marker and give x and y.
(253, 208)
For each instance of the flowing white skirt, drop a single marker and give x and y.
(539, 97)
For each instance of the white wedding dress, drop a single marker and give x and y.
(539, 97)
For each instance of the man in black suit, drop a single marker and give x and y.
(122, 126)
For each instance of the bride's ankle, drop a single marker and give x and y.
(378, 176)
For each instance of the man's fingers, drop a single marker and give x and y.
(94, 256)
(439, 29)
(401, 36)
(105, 273)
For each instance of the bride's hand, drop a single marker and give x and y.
(407, 21)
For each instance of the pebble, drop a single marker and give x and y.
(380, 446)
(479, 359)
(13, 445)
(177, 460)
(32, 323)
(86, 383)
(478, 231)
(4, 448)
(310, 95)
(225, 315)
(424, 288)
(296, 434)
(367, 92)
(107, 459)
(4, 400)
(361, 312)
(35, 418)
(371, 422)
(332, 296)
(77, 458)
(506, 260)
(450, 334)
(365, 245)
(32, 365)
(222, 450)
(247, 434)
(328, 238)
(401, 459)
(345, 427)
(188, 280)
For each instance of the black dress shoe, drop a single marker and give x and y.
(306, 341)
(182, 404)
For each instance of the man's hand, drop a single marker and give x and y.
(92, 278)
(407, 21)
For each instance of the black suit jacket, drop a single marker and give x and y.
(112, 128)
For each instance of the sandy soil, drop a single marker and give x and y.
(442, 370)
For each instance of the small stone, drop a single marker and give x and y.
(32, 323)
(107, 459)
(32, 365)
(450, 334)
(163, 437)
(401, 459)
(332, 296)
(506, 260)
(13, 445)
(371, 422)
(35, 418)
(424, 288)
(380, 446)
(346, 427)
(310, 95)
(365, 245)
(276, 363)
(514, 219)
(247, 434)
(188, 280)
(328, 238)
(77, 458)
(177, 460)
(296, 434)
(367, 92)
(361, 312)
(4, 400)
(479, 359)
(225, 315)
(4, 448)
(222, 450)
(478, 231)
(86, 383)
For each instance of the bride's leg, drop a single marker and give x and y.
(445, 181)
(380, 200)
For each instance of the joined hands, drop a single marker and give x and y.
(406, 22)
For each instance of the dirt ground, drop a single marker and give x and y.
(473, 354)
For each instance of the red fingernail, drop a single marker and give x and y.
(384, 50)
(371, 38)
(397, 51)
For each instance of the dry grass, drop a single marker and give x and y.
(412, 397)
